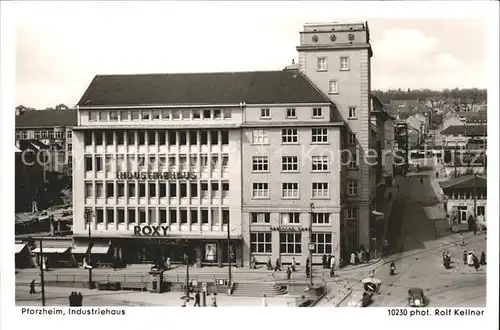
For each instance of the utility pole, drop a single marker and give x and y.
(186, 259)
(475, 201)
(311, 244)
(484, 153)
(89, 250)
(455, 159)
(229, 253)
(41, 273)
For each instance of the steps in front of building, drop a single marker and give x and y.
(257, 289)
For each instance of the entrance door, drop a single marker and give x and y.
(463, 214)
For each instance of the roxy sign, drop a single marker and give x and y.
(150, 230)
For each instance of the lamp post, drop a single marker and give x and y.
(311, 244)
(89, 215)
(42, 281)
(186, 260)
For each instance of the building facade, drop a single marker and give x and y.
(176, 163)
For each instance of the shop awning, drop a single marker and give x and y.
(51, 250)
(80, 249)
(100, 248)
(377, 213)
(19, 247)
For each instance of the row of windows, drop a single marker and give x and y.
(172, 163)
(290, 243)
(171, 137)
(467, 194)
(42, 134)
(110, 189)
(322, 64)
(163, 216)
(164, 114)
(291, 113)
(290, 190)
(290, 136)
(291, 163)
(290, 218)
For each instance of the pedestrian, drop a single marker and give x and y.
(332, 262)
(264, 301)
(329, 261)
(483, 259)
(80, 299)
(367, 255)
(464, 257)
(168, 263)
(323, 260)
(32, 287)
(476, 263)
(214, 299)
(437, 175)
(470, 259)
(278, 265)
(71, 299)
(288, 273)
(360, 257)
(294, 264)
(353, 259)
(332, 272)
(462, 242)
(341, 262)
(197, 299)
(308, 270)
(362, 248)
(253, 263)
(269, 264)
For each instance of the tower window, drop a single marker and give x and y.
(333, 87)
(344, 63)
(321, 64)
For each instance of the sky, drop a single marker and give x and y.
(61, 47)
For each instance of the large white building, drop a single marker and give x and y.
(168, 158)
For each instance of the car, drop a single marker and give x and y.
(416, 297)
(360, 299)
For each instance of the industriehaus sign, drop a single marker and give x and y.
(156, 175)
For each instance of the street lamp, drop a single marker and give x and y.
(311, 244)
(186, 260)
(89, 215)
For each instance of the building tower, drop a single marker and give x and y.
(336, 58)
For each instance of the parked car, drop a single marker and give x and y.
(360, 299)
(416, 297)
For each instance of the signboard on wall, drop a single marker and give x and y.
(150, 230)
(156, 175)
(211, 252)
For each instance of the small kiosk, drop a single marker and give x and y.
(157, 282)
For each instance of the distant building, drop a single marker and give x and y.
(404, 105)
(459, 201)
(29, 180)
(53, 129)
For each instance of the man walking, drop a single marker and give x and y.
(32, 287)
(323, 260)
(197, 299)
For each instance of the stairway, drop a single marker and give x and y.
(257, 289)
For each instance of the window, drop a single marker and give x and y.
(120, 189)
(344, 63)
(183, 166)
(108, 138)
(225, 162)
(131, 189)
(225, 190)
(99, 215)
(172, 187)
(135, 114)
(317, 113)
(183, 189)
(320, 190)
(176, 115)
(110, 189)
(291, 243)
(351, 138)
(260, 242)
(290, 218)
(113, 115)
(204, 161)
(264, 217)
(186, 114)
(351, 213)
(214, 137)
(322, 243)
(24, 135)
(260, 190)
(93, 116)
(227, 113)
(320, 163)
(131, 216)
(103, 115)
(156, 114)
(142, 216)
(152, 189)
(353, 162)
(203, 137)
(352, 187)
(193, 163)
(173, 215)
(88, 163)
(98, 138)
(215, 217)
(141, 137)
(319, 135)
(290, 163)
(225, 217)
(172, 138)
(291, 113)
(214, 162)
(196, 114)
(217, 114)
(163, 216)
(265, 113)
(260, 164)
(165, 114)
(123, 115)
(99, 190)
(120, 215)
(352, 113)
(182, 138)
(142, 190)
(146, 115)
(98, 163)
(88, 189)
(141, 162)
(207, 114)
(290, 190)
(321, 218)
(194, 216)
(215, 189)
(480, 210)
(37, 135)
(204, 190)
(260, 136)
(289, 135)
(333, 87)
(321, 64)
(225, 137)
(120, 140)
